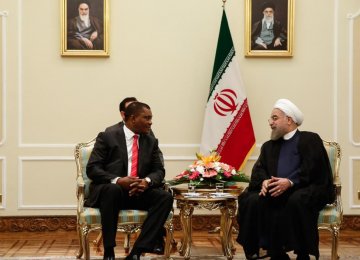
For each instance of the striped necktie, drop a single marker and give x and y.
(134, 159)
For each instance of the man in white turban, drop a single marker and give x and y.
(285, 109)
(290, 183)
(291, 110)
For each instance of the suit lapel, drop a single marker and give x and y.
(120, 138)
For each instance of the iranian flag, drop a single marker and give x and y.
(227, 124)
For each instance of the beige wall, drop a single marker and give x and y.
(162, 52)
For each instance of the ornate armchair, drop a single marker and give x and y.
(330, 217)
(89, 219)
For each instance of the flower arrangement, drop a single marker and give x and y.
(208, 170)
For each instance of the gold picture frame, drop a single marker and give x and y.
(85, 28)
(277, 39)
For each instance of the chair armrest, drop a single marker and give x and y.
(338, 203)
(337, 187)
(167, 187)
(80, 193)
(337, 181)
(80, 186)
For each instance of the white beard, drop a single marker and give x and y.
(85, 19)
(269, 19)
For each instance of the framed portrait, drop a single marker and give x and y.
(85, 28)
(269, 28)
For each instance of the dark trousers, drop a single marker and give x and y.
(114, 198)
(277, 224)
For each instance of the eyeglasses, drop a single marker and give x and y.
(274, 118)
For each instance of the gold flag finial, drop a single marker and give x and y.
(224, 1)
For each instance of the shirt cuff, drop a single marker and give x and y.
(291, 183)
(115, 180)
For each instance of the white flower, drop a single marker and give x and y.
(217, 168)
(200, 169)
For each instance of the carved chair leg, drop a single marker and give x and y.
(335, 242)
(169, 239)
(173, 241)
(127, 243)
(98, 240)
(85, 242)
(81, 250)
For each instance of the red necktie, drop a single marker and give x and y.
(134, 159)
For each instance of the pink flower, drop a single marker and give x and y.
(209, 173)
(226, 167)
(194, 175)
(227, 174)
(181, 175)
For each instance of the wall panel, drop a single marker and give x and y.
(47, 183)
(354, 182)
(356, 81)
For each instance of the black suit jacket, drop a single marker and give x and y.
(315, 171)
(109, 159)
(151, 133)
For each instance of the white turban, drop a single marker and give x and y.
(290, 109)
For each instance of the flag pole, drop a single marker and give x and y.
(224, 1)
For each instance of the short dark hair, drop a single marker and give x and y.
(126, 100)
(134, 109)
(267, 5)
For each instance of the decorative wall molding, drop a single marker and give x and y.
(351, 182)
(68, 223)
(351, 222)
(20, 68)
(21, 204)
(3, 15)
(3, 187)
(191, 158)
(351, 18)
(37, 223)
(336, 69)
(44, 145)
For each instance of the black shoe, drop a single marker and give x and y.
(159, 248)
(303, 257)
(109, 257)
(132, 257)
(282, 256)
(134, 254)
(252, 256)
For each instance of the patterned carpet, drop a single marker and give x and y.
(212, 257)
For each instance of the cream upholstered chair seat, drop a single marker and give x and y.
(330, 217)
(92, 216)
(89, 219)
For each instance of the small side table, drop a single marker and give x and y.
(227, 206)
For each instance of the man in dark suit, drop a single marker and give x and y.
(290, 183)
(159, 244)
(114, 185)
(122, 107)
